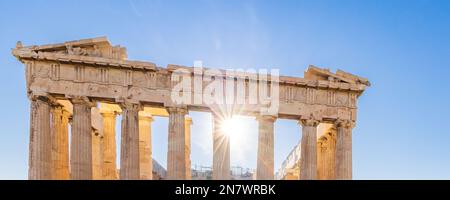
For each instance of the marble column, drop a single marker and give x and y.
(326, 153)
(344, 149)
(187, 126)
(265, 162)
(221, 152)
(97, 154)
(40, 155)
(176, 155)
(81, 140)
(109, 146)
(60, 143)
(129, 151)
(308, 155)
(145, 147)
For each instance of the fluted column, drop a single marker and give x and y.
(265, 162)
(187, 126)
(97, 154)
(145, 147)
(176, 155)
(308, 155)
(129, 151)
(60, 143)
(81, 140)
(326, 153)
(221, 151)
(344, 149)
(40, 155)
(109, 146)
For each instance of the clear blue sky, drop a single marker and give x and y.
(403, 47)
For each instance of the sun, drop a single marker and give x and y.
(240, 133)
(234, 127)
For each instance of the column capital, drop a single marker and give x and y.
(312, 120)
(54, 103)
(126, 105)
(181, 110)
(38, 97)
(57, 107)
(108, 113)
(309, 122)
(146, 118)
(43, 97)
(188, 120)
(270, 118)
(83, 100)
(344, 123)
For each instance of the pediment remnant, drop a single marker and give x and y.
(316, 73)
(94, 47)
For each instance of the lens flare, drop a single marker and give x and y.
(234, 127)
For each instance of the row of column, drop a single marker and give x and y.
(49, 138)
(265, 158)
(48, 155)
(342, 158)
(48, 158)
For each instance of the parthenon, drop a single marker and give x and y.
(84, 85)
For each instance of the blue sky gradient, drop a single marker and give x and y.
(403, 47)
